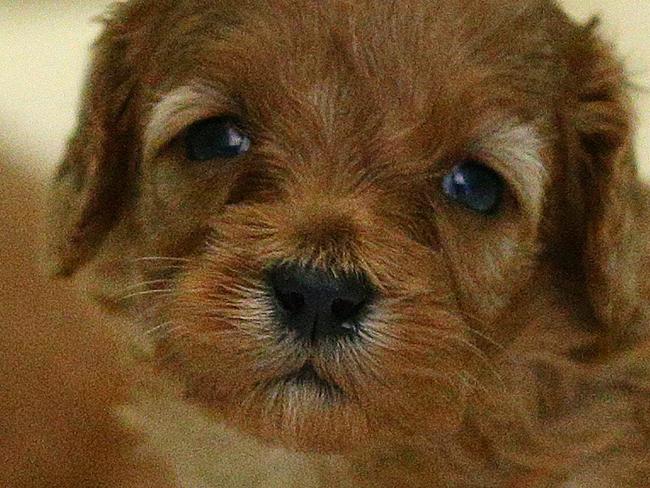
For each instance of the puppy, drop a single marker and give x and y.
(410, 234)
(62, 382)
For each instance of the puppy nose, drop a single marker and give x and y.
(316, 303)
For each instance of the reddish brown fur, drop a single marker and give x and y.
(62, 378)
(507, 350)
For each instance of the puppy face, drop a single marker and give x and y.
(323, 211)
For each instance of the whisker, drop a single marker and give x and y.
(162, 263)
(388, 339)
(473, 349)
(162, 258)
(158, 328)
(477, 320)
(472, 382)
(147, 283)
(486, 337)
(165, 292)
(148, 292)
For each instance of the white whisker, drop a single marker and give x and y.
(158, 328)
(162, 258)
(147, 283)
(148, 292)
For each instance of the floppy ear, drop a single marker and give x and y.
(615, 204)
(92, 183)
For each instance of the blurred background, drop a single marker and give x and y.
(44, 51)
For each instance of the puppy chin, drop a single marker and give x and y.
(293, 411)
(303, 417)
(319, 418)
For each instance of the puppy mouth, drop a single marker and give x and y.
(307, 378)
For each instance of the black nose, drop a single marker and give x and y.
(317, 304)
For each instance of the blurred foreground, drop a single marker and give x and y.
(61, 376)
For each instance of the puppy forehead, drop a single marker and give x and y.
(387, 52)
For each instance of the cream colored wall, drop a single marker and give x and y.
(43, 51)
(43, 47)
(627, 24)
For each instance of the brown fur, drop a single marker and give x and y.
(508, 350)
(61, 377)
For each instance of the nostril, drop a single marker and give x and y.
(346, 310)
(292, 302)
(316, 303)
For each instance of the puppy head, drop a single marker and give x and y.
(321, 209)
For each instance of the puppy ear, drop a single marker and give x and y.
(92, 182)
(613, 202)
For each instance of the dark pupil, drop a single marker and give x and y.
(215, 138)
(474, 186)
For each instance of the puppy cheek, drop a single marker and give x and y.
(220, 346)
(490, 268)
(423, 388)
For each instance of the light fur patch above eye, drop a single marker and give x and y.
(178, 109)
(516, 150)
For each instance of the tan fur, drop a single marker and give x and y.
(504, 350)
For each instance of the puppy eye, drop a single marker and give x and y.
(218, 137)
(475, 186)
